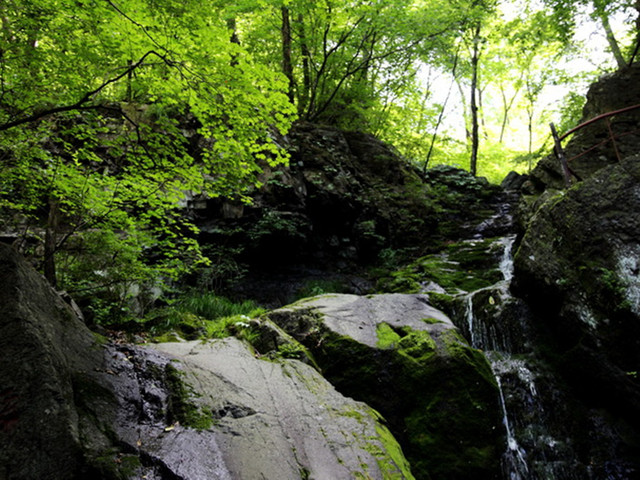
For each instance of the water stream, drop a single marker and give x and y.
(550, 432)
(514, 461)
(528, 441)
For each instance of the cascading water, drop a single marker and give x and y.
(552, 432)
(514, 462)
(529, 452)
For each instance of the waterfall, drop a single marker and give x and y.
(469, 316)
(538, 445)
(506, 261)
(497, 346)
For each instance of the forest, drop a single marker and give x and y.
(95, 95)
(316, 239)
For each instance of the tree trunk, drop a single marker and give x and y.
(287, 65)
(475, 140)
(441, 114)
(231, 25)
(303, 99)
(50, 238)
(611, 39)
(507, 104)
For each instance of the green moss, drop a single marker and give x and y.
(181, 406)
(387, 337)
(401, 281)
(167, 338)
(457, 347)
(417, 345)
(114, 465)
(432, 321)
(612, 290)
(465, 266)
(296, 351)
(354, 414)
(391, 461)
(443, 302)
(99, 340)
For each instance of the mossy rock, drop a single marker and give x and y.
(460, 267)
(408, 361)
(577, 266)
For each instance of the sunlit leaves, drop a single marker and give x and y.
(95, 97)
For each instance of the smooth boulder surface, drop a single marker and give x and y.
(281, 419)
(75, 406)
(406, 359)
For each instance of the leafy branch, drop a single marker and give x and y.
(81, 104)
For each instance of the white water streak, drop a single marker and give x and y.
(513, 449)
(506, 261)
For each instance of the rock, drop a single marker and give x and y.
(578, 266)
(42, 345)
(514, 181)
(589, 149)
(407, 360)
(345, 198)
(76, 407)
(282, 420)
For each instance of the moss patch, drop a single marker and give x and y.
(392, 462)
(465, 266)
(182, 407)
(387, 337)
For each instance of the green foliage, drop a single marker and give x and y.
(223, 269)
(113, 113)
(282, 224)
(202, 315)
(211, 306)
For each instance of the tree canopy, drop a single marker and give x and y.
(113, 113)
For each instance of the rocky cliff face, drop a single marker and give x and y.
(577, 268)
(590, 148)
(345, 199)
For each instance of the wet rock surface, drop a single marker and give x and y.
(577, 267)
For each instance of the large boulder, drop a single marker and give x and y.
(578, 265)
(406, 359)
(45, 349)
(282, 419)
(76, 407)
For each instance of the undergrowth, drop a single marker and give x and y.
(202, 315)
